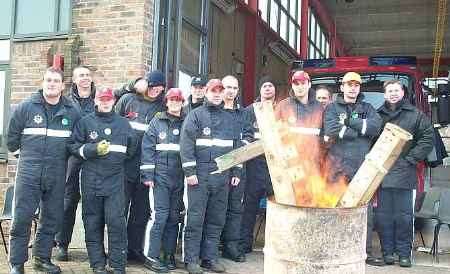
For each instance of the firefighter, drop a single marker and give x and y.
(82, 93)
(104, 140)
(161, 171)
(351, 125)
(231, 234)
(395, 208)
(258, 183)
(139, 108)
(208, 132)
(39, 130)
(324, 95)
(197, 94)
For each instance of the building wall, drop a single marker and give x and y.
(115, 42)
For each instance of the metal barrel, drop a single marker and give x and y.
(315, 240)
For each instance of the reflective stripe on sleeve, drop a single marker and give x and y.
(168, 147)
(189, 164)
(214, 142)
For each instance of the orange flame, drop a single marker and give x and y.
(307, 167)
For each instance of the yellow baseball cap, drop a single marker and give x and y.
(352, 76)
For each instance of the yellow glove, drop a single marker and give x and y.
(103, 148)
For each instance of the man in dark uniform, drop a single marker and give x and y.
(351, 126)
(40, 128)
(161, 171)
(395, 208)
(208, 132)
(139, 108)
(197, 94)
(104, 140)
(258, 184)
(82, 93)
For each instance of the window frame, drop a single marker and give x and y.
(6, 111)
(317, 39)
(39, 35)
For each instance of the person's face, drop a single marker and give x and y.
(323, 96)
(154, 92)
(82, 78)
(198, 91)
(52, 85)
(174, 105)
(350, 90)
(214, 95)
(301, 88)
(104, 104)
(267, 91)
(231, 88)
(393, 93)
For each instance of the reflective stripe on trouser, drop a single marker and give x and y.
(231, 234)
(395, 220)
(162, 231)
(71, 198)
(137, 209)
(206, 213)
(98, 211)
(28, 196)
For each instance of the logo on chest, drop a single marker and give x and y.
(93, 135)
(176, 132)
(206, 131)
(38, 119)
(107, 131)
(162, 135)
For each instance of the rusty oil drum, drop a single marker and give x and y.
(301, 240)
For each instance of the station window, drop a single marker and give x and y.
(319, 44)
(283, 17)
(30, 18)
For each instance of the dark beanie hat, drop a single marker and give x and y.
(155, 78)
(262, 80)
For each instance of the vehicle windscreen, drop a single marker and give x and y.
(371, 87)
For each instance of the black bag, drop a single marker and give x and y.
(438, 153)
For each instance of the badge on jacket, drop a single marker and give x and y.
(93, 135)
(65, 121)
(107, 131)
(176, 131)
(37, 119)
(206, 131)
(162, 135)
(342, 117)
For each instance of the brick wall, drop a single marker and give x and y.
(115, 36)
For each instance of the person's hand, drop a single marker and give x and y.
(103, 148)
(235, 181)
(149, 183)
(192, 180)
(141, 86)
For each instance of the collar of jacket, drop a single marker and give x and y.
(340, 98)
(402, 105)
(198, 103)
(210, 105)
(165, 115)
(38, 98)
(107, 116)
(158, 99)
(74, 92)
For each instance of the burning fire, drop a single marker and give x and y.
(304, 152)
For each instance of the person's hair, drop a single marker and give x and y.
(79, 67)
(55, 70)
(392, 82)
(230, 77)
(325, 87)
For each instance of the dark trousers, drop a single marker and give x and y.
(98, 211)
(206, 213)
(254, 191)
(395, 220)
(231, 234)
(71, 199)
(165, 202)
(29, 194)
(137, 208)
(370, 227)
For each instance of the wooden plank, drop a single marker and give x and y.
(277, 154)
(239, 155)
(376, 165)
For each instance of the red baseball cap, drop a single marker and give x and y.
(175, 94)
(300, 76)
(214, 83)
(105, 94)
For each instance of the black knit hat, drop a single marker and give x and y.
(262, 80)
(155, 78)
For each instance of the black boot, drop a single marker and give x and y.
(154, 264)
(62, 254)
(193, 268)
(372, 260)
(236, 256)
(169, 260)
(45, 265)
(389, 259)
(405, 262)
(213, 266)
(99, 270)
(17, 269)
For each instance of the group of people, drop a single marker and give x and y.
(142, 160)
